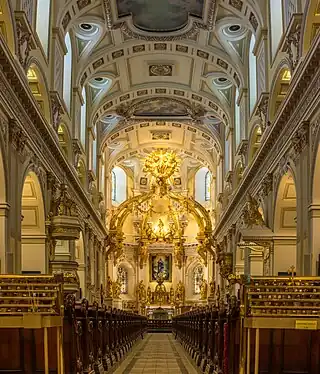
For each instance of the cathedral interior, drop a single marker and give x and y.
(160, 186)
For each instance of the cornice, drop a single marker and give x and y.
(301, 96)
(27, 112)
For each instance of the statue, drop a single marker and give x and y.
(202, 252)
(109, 288)
(116, 289)
(212, 285)
(251, 215)
(149, 296)
(141, 291)
(203, 290)
(180, 293)
(160, 229)
(143, 255)
(171, 232)
(149, 232)
(178, 254)
(171, 295)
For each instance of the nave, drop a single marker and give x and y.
(158, 353)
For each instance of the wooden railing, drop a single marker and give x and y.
(273, 327)
(159, 325)
(41, 333)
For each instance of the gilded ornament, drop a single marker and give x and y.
(203, 290)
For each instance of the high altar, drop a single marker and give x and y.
(161, 240)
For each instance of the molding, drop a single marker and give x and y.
(299, 103)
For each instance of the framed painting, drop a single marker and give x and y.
(160, 264)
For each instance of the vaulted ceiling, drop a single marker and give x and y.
(171, 60)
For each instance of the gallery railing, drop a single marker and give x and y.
(280, 314)
(41, 332)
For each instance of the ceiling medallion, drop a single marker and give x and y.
(189, 30)
(160, 70)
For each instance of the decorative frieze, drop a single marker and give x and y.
(266, 185)
(251, 215)
(17, 136)
(300, 140)
(26, 41)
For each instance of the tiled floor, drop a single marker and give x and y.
(157, 354)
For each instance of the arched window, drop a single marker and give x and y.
(123, 279)
(197, 279)
(83, 122)
(43, 22)
(207, 186)
(119, 185)
(252, 74)
(114, 186)
(202, 188)
(67, 72)
(237, 119)
(94, 156)
(276, 25)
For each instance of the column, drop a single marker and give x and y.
(314, 225)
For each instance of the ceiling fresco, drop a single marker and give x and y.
(161, 107)
(160, 15)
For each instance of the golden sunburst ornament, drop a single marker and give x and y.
(162, 164)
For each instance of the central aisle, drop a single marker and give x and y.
(157, 354)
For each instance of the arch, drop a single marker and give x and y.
(284, 224)
(193, 292)
(33, 234)
(311, 24)
(252, 74)
(81, 260)
(119, 185)
(280, 88)
(6, 25)
(64, 140)
(128, 268)
(255, 142)
(43, 23)
(67, 72)
(276, 25)
(83, 121)
(197, 277)
(39, 90)
(122, 277)
(202, 185)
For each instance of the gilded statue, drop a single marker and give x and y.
(143, 255)
(203, 290)
(171, 295)
(116, 289)
(109, 287)
(141, 291)
(180, 293)
(171, 232)
(149, 231)
(178, 254)
(149, 296)
(212, 286)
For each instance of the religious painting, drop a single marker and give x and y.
(161, 106)
(177, 181)
(143, 181)
(160, 264)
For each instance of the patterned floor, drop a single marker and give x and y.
(157, 354)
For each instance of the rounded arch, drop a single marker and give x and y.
(254, 142)
(125, 273)
(39, 90)
(33, 231)
(65, 140)
(310, 26)
(118, 185)
(81, 260)
(284, 224)
(194, 277)
(6, 25)
(279, 88)
(202, 185)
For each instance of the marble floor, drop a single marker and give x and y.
(157, 353)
